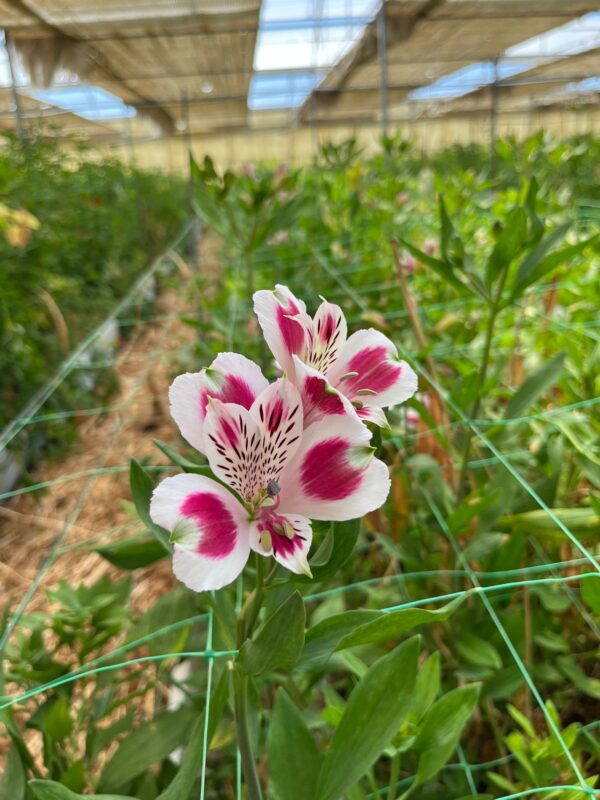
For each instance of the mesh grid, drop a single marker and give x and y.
(482, 588)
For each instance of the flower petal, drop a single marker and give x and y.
(374, 415)
(329, 332)
(209, 527)
(334, 475)
(381, 379)
(232, 378)
(278, 410)
(285, 324)
(233, 439)
(319, 398)
(290, 551)
(248, 449)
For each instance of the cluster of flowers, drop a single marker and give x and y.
(284, 452)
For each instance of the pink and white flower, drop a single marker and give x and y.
(277, 475)
(231, 378)
(319, 357)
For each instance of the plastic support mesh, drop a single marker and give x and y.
(494, 584)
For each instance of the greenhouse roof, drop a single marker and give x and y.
(174, 67)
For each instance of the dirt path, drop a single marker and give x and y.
(80, 509)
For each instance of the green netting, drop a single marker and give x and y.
(483, 587)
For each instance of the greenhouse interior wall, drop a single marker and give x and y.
(299, 146)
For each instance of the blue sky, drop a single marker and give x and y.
(575, 37)
(300, 40)
(89, 102)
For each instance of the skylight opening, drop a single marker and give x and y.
(577, 36)
(591, 84)
(89, 102)
(298, 40)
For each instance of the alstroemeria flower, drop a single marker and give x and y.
(281, 477)
(231, 378)
(364, 367)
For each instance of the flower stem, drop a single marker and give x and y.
(477, 402)
(494, 309)
(394, 775)
(240, 683)
(246, 625)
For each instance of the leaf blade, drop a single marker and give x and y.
(378, 704)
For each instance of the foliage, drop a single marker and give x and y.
(76, 239)
(376, 688)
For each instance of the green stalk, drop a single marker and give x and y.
(246, 625)
(240, 683)
(483, 370)
(394, 775)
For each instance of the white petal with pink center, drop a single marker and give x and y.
(231, 378)
(334, 475)
(284, 476)
(369, 371)
(286, 537)
(364, 368)
(249, 449)
(329, 331)
(319, 398)
(374, 415)
(209, 527)
(285, 325)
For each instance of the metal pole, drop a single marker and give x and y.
(383, 69)
(187, 139)
(13, 87)
(494, 89)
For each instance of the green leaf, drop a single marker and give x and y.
(181, 461)
(74, 776)
(321, 639)
(441, 268)
(581, 681)
(372, 717)
(57, 722)
(590, 592)
(578, 520)
(170, 609)
(534, 256)
(345, 535)
(440, 731)
(538, 264)
(427, 685)
(12, 781)
(394, 623)
(146, 745)
(507, 247)
(141, 490)
(294, 758)
(534, 386)
(477, 651)
(503, 683)
(132, 552)
(477, 797)
(191, 467)
(49, 790)
(278, 642)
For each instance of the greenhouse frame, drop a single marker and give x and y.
(299, 391)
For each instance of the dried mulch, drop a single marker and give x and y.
(85, 511)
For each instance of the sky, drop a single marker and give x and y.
(574, 37)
